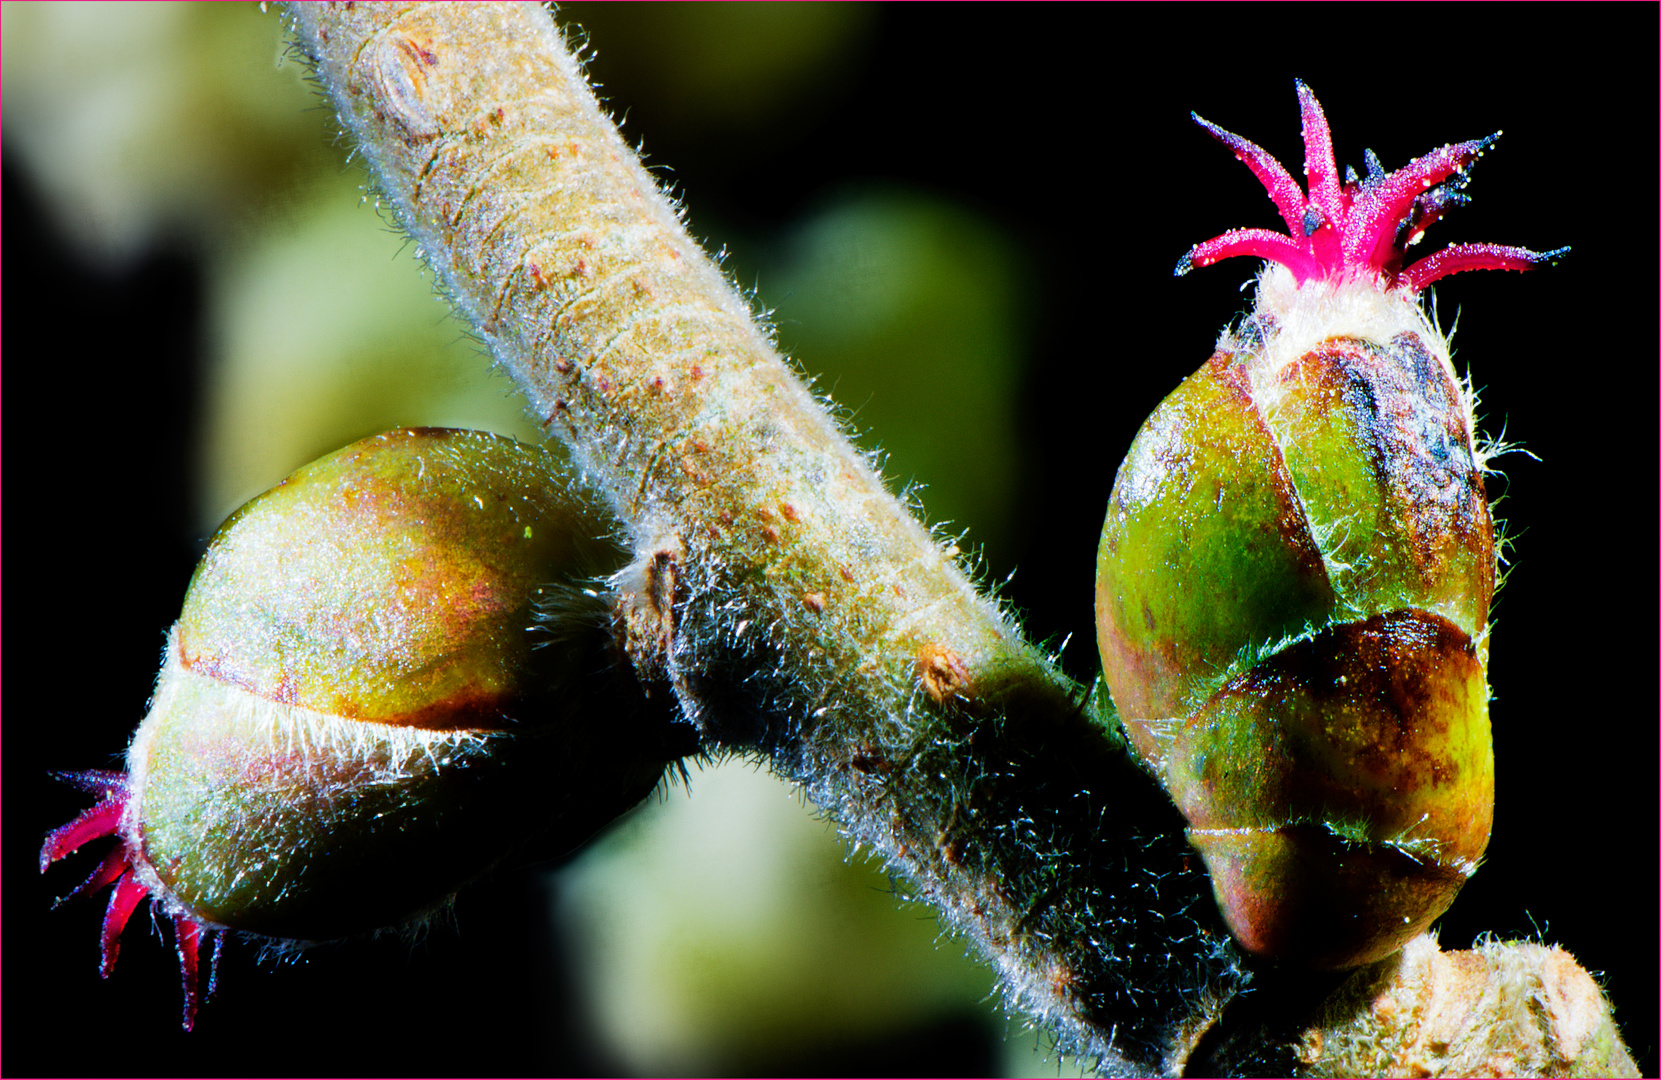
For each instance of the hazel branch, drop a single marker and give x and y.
(780, 593)
(804, 612)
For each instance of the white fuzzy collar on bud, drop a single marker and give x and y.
(1304, 316)
(1316, 311)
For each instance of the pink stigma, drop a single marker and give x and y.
(101, 820)
(1362, 227)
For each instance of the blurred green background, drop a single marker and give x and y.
(962, 221)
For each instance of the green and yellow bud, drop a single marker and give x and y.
(383, 682)
(1293, 583)
(1292, 597)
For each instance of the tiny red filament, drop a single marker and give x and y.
(187, 938)
(98, 821)
(126, 897)
(101, 820)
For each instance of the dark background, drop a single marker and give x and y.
(1071, 130)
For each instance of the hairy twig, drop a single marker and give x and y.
(779, 592)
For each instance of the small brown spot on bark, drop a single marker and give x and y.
(847, 575)
(645, 611)
(695, 472)
(770, 532)
(562, 366)
(1063, 980)
(942, 672)
(814, 602)
(790, 513)
(1310, 1047)
(867, 759)
(420, 46)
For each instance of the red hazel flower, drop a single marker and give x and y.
(1364, 226)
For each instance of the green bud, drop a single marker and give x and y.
(355, 716)
(1294, 577)
(1292, 596)
(387, 677)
